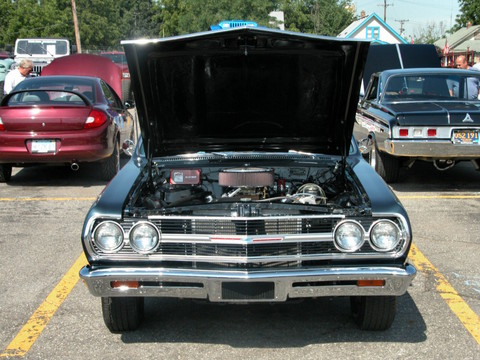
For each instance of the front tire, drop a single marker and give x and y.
(110, 167)
(373, 312)
(122, 313)
(5, 173)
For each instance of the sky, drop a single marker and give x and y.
(417, 13)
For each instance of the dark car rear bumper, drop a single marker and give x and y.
(441, 149)
(217, 286)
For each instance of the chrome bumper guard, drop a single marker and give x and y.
(442, 149)
(247, 286)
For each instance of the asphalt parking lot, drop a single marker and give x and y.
(48, 314)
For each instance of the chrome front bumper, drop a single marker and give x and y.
(439, 149)
(247, 286)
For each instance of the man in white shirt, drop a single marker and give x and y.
(16, 76)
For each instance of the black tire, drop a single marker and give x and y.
(373, 312)
(5, 173)
(110, 167)
(387, 166)
(122, 313)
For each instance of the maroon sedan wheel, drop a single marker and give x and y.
(5, 173)
(110, 167)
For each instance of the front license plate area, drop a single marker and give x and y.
(44, 146)
(466, 137)
(248, 291)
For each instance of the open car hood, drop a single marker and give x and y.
(87, 65)
(246, 89)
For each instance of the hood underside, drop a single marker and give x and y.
(246, 89)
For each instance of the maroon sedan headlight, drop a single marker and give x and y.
(95, 119)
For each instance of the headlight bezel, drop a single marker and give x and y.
(361, 237)
(399, 233)
(97, 243)
(133, 243)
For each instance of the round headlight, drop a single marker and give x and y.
(108, 236)
(144, 238)
(385, 235)
(349, 236)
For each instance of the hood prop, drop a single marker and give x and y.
(150, 184)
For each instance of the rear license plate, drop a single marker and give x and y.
(468, 137)
(44, 146)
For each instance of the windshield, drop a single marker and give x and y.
(48, 47)
(432, 87)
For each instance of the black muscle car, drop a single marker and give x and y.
(247, 185)
(430, 114)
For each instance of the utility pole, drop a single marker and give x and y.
(403, 21)
(385, 5)
(75, 25)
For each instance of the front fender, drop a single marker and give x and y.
(382, 198)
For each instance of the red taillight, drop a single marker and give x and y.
(432, 132)
(95, 119)
(2, 128)
(403, 132)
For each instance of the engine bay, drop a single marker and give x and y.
(175, 188)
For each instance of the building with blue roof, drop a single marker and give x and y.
(372, 28)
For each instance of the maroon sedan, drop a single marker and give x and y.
(64, 120)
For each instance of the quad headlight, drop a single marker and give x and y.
(144, 237)
(385, 235)
(348, 236)
(108, 236)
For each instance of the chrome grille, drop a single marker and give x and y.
(242, 226)
(37, 69)
(230, 241)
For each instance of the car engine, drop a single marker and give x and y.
(260, 190)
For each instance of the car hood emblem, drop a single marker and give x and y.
(467, 118)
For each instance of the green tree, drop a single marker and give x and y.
(469, 12)
(34, 18)
(324, 17)
(98, 23)
(430, 33)
(137, 19)
(104, 23)
(176, 17)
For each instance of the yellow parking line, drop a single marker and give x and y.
(438, 197)
(48, 199)
(27, 336)
(37, 322)
(460, 308)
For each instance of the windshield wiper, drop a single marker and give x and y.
(24, 51)
(48, 52)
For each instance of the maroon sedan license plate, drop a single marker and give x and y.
(44, 146)
(468, 137)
